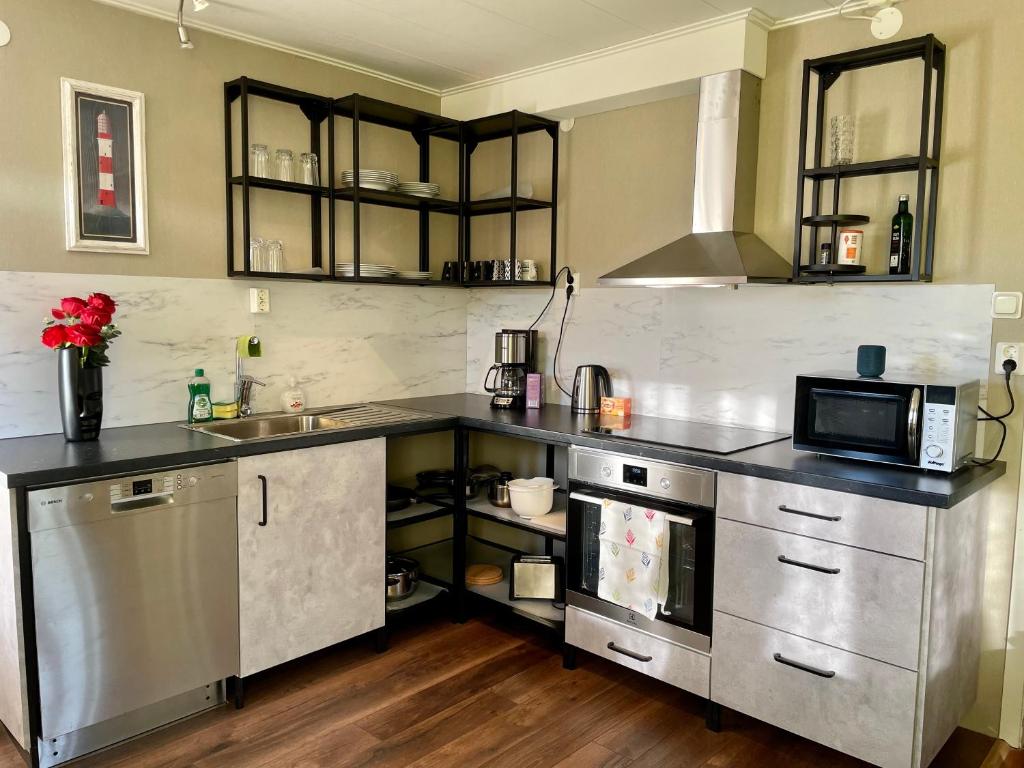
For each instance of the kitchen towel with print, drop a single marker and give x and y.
(633, 571)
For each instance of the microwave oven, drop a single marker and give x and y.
(905, 420)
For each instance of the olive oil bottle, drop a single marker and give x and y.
(900, 246)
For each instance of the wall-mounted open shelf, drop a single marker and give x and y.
(422, 126)
(823, 74)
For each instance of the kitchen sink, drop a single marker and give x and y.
(322, 420)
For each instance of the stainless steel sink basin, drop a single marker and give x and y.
(322, 420)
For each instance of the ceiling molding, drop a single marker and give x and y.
(750, 14)
(193, 23)
(824, 13)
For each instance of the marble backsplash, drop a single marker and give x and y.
(730, 356)
(712, 355)
(342, 343)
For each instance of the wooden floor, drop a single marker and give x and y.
(486, 693)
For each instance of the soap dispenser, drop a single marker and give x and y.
(293, 399)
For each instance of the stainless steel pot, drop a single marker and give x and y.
(401, 577)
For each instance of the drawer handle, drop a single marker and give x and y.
(815, 515)
(828, 673)
(263, 493)
(631, 654)
(808, 566)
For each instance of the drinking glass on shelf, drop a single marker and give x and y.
(259, 160)
(841, 137)
(258, 254)
(275, 256)
(285, 162)
(310, 168)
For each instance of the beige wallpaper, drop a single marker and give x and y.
(184, 138)
(979, 198)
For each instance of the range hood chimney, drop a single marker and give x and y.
(721, 249)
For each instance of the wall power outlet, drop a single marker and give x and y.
(259, 300)
(1008, 350)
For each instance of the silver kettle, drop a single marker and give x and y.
(592, 382)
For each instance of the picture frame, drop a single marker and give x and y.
(105, 208)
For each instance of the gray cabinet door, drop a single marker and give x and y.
(314, 574)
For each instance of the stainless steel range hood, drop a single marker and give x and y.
(721, 249)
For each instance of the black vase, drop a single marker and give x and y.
(80, 391)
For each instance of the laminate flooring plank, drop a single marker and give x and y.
(593, 755)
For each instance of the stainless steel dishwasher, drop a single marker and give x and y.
(136, 603)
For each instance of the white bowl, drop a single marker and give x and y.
(532, 498)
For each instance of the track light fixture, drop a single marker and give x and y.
(183, 39)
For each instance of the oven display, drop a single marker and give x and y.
(142, 487)
(634, 475)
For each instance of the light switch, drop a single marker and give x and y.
(1006, 305)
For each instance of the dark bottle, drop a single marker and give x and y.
(902, 238)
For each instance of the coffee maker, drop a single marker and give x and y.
(515, 355)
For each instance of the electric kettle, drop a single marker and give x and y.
(591, 384)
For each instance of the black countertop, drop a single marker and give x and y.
(49, 460)
(776, 461)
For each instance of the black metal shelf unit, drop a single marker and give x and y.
(422, 126)
(316, 109)
(508, 125)
(925, 164)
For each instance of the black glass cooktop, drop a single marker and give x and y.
(694, 435)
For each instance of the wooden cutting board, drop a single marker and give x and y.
(481, 575)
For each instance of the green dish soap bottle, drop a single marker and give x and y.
(200, 406)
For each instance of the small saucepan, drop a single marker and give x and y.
(401, 577)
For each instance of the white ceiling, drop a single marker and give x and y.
(443, 44)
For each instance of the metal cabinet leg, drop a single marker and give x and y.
(568, 656)
(713, 716)
(380, 639)
(238, 692)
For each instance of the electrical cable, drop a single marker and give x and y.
(569, 280)
(1009, 366)
(558, 346)
(554, 287)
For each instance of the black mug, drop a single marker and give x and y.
(450, 273)
(476, 271)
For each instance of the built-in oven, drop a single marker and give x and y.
(908, 420)
(686, 496)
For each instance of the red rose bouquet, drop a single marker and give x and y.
(83, 323)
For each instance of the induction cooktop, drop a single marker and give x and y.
(695, 435)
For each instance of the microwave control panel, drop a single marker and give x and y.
(938, 430)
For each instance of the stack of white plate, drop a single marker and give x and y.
(348, 269)
(385, 181)
(415, 275)
(419, 188)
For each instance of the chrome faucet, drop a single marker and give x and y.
(244, 382)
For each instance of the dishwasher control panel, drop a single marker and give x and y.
(130, 488)
(167, 489)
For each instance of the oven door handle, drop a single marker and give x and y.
(672, 518)
(913, 418)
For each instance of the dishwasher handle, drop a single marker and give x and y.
(263, 489)
(133, 504)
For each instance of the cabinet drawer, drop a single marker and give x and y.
(876, 524)
(862, 707)
(851, 598)
(671, 663)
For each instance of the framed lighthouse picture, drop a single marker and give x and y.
(104, 168)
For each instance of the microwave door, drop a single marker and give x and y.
(883, 425)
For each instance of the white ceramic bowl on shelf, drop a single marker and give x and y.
(533, 497)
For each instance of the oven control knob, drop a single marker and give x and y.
(665, 483)
(606, 471)
(933, 451)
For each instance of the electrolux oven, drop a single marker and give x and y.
(687, 496)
